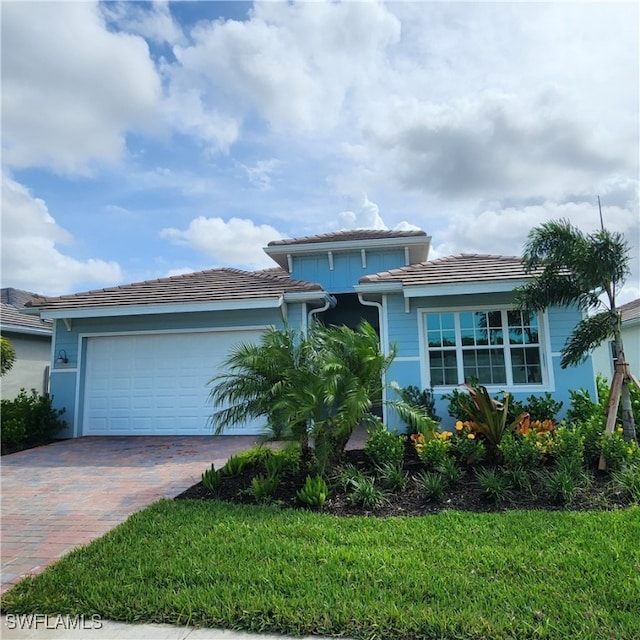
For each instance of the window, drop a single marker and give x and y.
(500, 347)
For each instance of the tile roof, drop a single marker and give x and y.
(15, 297)
(349, 235)
(12, 320)
(630, 311)
(203, 286)
(465, 267)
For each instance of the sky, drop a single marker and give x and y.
(147, 139)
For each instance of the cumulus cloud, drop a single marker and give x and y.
(31, 258)
(234, 242)
(293, 65)
(152, 21)
(71, 89)
(503, 230)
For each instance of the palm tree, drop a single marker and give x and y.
(320, 385)
(585, 270)
(254, 378)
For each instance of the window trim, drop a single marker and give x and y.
(544, 342)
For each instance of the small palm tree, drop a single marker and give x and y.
(585, 270)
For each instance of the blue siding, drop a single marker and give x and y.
(347, 267)
(62, 387)
(403, 330)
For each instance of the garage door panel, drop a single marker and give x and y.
(155, 384)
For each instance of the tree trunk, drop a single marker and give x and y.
(626, 408)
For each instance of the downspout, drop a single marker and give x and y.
(329, 302)
(383, 345)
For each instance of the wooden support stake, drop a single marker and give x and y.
(612, 406)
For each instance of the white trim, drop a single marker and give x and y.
(161, 308)
(407, 359)
(305, 296)
(70, 370)
(82, 337)
(139, 332)
(346, 245)
(407, 260)
(548, 381)
(461, 288)
(290, 262)
(363, 257)
(330, 256)
(378, 287)
(30, 331)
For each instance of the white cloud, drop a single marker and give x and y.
(71, 89)
(31, 258)
(294, 65)
(228, 243)
(152, 20)
(260, 173)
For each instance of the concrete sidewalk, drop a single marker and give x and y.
(52, 628)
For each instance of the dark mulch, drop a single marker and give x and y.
(466, 496)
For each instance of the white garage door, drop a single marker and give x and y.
(156, 384)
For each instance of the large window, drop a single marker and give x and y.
(499, 347)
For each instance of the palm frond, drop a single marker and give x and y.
(587, 335)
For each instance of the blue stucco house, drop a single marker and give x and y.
(136, 359)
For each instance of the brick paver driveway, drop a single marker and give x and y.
(65, 494)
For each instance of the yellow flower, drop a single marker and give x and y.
(472, 436)
(619, 429)
(459, 426)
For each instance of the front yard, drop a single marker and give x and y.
(518, 574)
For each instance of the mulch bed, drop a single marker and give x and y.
(466, 496)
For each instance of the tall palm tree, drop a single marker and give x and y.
(585, 270)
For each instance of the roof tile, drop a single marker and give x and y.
(465, 267)
(349, 235)
(202, 286)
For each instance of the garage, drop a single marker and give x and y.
(156, 384)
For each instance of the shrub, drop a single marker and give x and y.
(616, 451)
(365, 494)
(235, 465)
(7, 355)
(211, 479)
(591, 432)
(347, 475)
(432, 452)
(433, 485)
(627, 480)
(262, 487)
(560, 485)
(384, 446)
(424, 399)
(538, 407)
(465, 446)
(450, 471)
(519, 479)
(392, 476)
(494, 485)
(569, 444)
(488, 416)
(314, 492)
(521, 452)
(30, 420)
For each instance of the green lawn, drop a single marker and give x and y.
(453, 575)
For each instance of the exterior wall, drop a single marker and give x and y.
(602, 361)
(30, 370)
(347, 267)
(67, 379)
(410, 366)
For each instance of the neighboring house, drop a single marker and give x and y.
(31, 340)
(140, 356)
(603, 356)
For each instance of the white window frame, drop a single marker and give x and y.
(543, 344)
